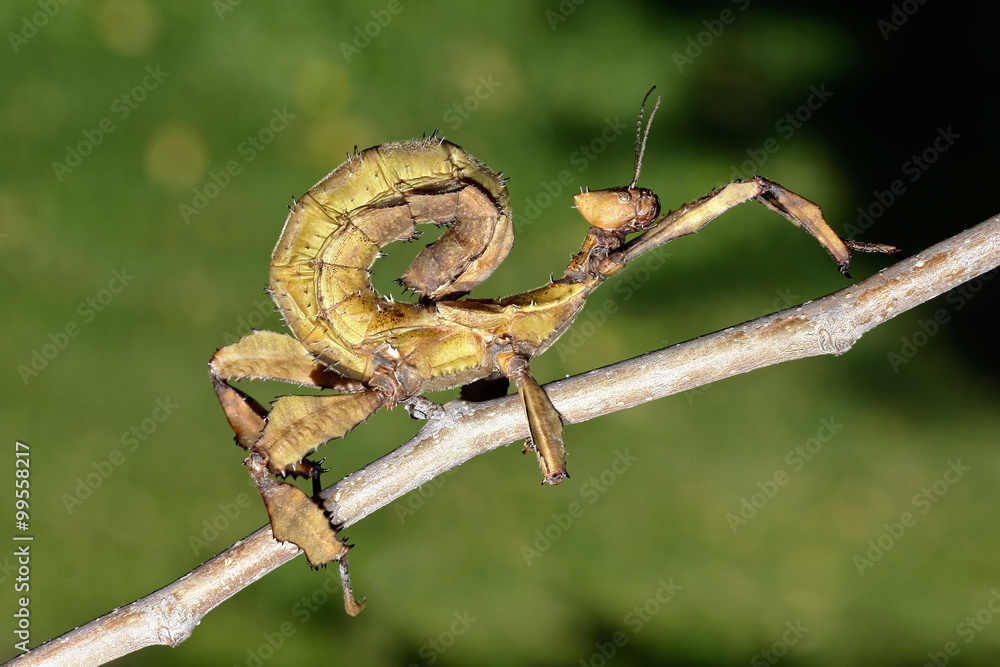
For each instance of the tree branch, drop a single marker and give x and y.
(458, 431)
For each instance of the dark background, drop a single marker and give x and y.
(532, 86)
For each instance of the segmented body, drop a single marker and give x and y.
(382, 352)
(320, 271)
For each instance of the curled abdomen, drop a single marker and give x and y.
(320, 268)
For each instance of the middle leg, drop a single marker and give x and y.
(544, 422)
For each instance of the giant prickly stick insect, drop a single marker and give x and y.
(380, 352)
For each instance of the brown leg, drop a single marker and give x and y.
(297, 518)
(543, 419)
(296, 425)
(691, 217)
(278, 441)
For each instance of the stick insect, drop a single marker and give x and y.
(374, 351)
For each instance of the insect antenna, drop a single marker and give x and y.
(640, 149)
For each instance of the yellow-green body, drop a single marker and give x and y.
(378, 351)
(320, 272)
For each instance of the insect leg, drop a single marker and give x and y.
(543, 419)
(692, 217)
(294, 516)
(297, 518)
(266, 355)
(297, 425)
(269, 355)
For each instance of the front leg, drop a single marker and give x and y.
(692, 217)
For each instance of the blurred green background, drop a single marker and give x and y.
(130, 253)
